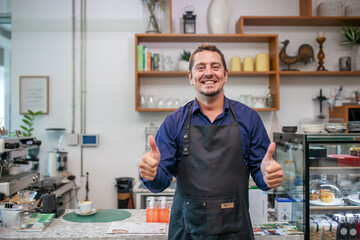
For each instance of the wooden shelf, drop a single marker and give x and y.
(248, 38)
(294, 21)
(270, 39)
(184, 74)
(320, 73)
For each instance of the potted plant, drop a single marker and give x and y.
(28, 121)
(351, 36)
(184, 61)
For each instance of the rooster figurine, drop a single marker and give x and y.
(305, 55)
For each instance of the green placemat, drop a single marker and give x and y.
(105, 215)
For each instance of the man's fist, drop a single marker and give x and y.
(150, 161)
(271, 170)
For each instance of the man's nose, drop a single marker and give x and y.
(208, 71)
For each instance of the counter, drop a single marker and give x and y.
(62, 229)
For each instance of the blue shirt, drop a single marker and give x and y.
(254, 140)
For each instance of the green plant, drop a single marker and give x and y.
(28, 121)
(351, 35)
(185, 55)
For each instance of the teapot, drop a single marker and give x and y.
(48, 203)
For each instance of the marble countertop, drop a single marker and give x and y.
(62, 229)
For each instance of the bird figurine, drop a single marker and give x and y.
(305, 55)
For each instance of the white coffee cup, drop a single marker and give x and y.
(85, 206)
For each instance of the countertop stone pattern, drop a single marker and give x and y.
(62, 229)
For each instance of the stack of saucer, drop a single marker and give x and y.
(312, 128)
(354, 126)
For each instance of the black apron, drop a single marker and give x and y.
(211, 197)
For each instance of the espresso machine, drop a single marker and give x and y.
(15, 151)
(57, 158)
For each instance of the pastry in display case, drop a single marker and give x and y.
(325, 193)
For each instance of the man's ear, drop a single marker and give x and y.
(226, 75)
(191, 79)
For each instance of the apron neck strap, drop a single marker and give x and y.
(233, 118)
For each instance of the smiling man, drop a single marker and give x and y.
(210, 145)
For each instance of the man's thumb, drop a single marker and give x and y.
(270, 152)
(152, 143)
(155, 153)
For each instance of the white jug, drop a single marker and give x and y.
(10, 217)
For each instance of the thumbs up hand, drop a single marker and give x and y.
(271, 170)
(150, 161)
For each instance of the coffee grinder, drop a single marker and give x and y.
(57, 158)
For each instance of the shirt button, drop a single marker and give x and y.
(186, 149)
(185, 136)
(204, 204)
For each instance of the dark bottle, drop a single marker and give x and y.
(343, 229)
(351, 227)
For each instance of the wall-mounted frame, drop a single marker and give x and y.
(34, 94)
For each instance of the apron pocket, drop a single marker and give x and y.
(226, 216)
(214, 216)
(195, 219)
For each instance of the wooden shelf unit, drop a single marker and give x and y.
(305, 18)
(270, 39)
(294, 21)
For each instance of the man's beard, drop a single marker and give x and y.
(211, 94)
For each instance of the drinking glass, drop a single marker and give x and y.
(160, 103)
(150, 101)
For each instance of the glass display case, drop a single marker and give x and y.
(322, 179)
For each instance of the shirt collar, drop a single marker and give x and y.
(196, 106)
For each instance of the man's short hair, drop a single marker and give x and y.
(206, 47)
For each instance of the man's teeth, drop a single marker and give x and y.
(208, 82)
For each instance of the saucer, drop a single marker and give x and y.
(92, 212)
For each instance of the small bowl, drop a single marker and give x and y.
(289, 129)
(335, 127)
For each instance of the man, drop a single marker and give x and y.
(210, 145)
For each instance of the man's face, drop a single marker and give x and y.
(208, 73)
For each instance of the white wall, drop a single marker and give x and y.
(42, 46)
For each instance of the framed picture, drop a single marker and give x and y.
(34, 94)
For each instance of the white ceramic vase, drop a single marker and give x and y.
(218, 16)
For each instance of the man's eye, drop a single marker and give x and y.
(216, 67)
(200, 68)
